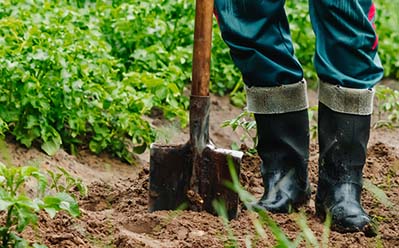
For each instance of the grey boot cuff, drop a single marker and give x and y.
(346, 100)
(278, 99)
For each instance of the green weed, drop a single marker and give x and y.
(378, 194)
(22, 209)
(246, 122)
(84, 73)
(388, 107)
(312, 112)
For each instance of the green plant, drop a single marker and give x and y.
(388, 106)
(220, 209)
(63, 181)
(21, 209)
(263, 218)
(378, 194)
(312, 112)
(309, 236)
(225, 76)
(302, 36)
(60, 84)
(154, 41)
(87, 72)
(246, 122)
(387, 22)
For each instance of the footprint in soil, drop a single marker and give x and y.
(99, 198)
(141, 224)
(96, 205)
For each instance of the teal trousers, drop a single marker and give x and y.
(257, 32)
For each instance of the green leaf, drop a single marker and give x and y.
(25, 202)
(62, 201)
(51, 202)
(25, 217)
(95, 146)
(306, 231)
(378, 193)
(52, 146)
(27, 171)
(19, 242)
(69, 204)
(51, 212)
(42, 181)
(5, 204)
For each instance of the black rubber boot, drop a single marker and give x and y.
(283, 145)
(343, 142)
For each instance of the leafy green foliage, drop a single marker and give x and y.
(302, 35)
(22, 208)
(387, 23)
(225, 76)
(86, 72)
(388, 106)
(246, 122)
(60, 84)
(63, 181)
(153, 40)
(312, 113)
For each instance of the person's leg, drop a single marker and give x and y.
(346, 43)
(348, 66)
(258, 35)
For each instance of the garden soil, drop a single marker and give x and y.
(114, 214)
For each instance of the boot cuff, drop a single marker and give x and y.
(346, 100)
(278, 99)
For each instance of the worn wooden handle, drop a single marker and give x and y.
(202, 47)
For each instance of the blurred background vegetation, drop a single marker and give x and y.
(86, 73)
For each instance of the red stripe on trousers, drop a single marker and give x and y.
(371, 17)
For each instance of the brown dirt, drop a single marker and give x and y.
(114, 214)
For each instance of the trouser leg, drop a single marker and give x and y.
(260, 44)
(258, 35)
(346, 42)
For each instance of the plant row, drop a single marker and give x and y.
(87, 73)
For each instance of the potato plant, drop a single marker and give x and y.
(86, 73)
(388, 107)
(60, 84)
(21, 209)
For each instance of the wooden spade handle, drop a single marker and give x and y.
(202, 47)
